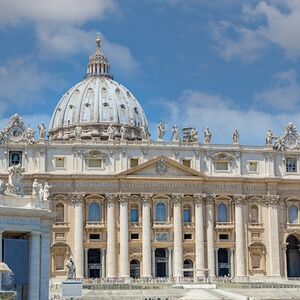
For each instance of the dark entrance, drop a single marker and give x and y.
(134, 269)
(160, 262)
(188, 264)
(223, 262)
(94, 265)
(293, 257)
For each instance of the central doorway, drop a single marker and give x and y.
(223, 262)
(94, 265)
(161, 262)
(293, 256)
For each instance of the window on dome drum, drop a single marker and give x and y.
(94, 212)
(60, 213)
(134, 236)
(134, 215)
(291, 165)
(253, 166)
(187, 236)
(161, 212)
(187, 215)
(134, 162)
(59, 162)
(293, 214)
(15, 158)
(222, 213)
(186, 162)
(254, 214)
(222, 165)
(95, 163)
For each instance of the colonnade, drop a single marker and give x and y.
(204, 219)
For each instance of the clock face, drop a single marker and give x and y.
(16, 133)
(291, 141)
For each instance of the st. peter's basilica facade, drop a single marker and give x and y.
(128, 206)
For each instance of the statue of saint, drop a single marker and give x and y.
(123, 133)
(175, 134)
(71, 269)
(46, 191)
(42, 131)
(35, 189)
(194, 135)
(15, 185)
(78, 132)
(111, 132)
(269, 137)
(30, 135)
(207, 135)
(144, 133)
(161, 132)
(41, 191)
(235, 136)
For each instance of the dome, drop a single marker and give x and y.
(98, 107)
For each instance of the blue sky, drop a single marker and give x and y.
(222, 64)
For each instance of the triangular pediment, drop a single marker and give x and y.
(161, 167)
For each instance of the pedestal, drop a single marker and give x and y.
(71, 289)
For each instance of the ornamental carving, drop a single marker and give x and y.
(271, 199)
(161, 167)
(111, 198)
(124, 198)
(76, 199)
(199, 198)
(177, 199)
(289, 139)
(146, 198)
(210, 199)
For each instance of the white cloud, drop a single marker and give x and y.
(273, 22)
(200, 109)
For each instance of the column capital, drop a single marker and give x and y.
(199, 198)
(111, 197)
(210, 199)
(124, 197)
(76, 199)
(177, 198)
(271, 199)
(146, 198)
(239, 199)
(35, 234)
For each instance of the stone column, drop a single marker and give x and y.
(111, 256)
(232, 274)
(199, 233)
(153, 263)
(210, 235)
(217, 261)
(177, 219)
(240, 259)
(170, 262)
(45, 265)
(1, 250)
(77, 200)
(34, 266)
(124, 254)
(274, 247)
(86, 271)
(103, 262)
(146, 247)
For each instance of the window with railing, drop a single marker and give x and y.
(187, 215)
(94, 212)
(222, 213)
(134, 215)
(161, 212)
(293, 214)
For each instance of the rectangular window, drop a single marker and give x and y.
(187, 236)
(222, 166)
(59, 162)
(186, 162)
(94, 236)
(134, 162)
(253, 166)
(94, 162)
(291, 165)
(60, 262)
(134, 215)
(223, 237)
(15, 158)
(186, 215)
(134, 236)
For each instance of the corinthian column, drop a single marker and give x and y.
(111, 257)
(210, 235)
(178, 264)
(199, 233)
(239, 239)
(274, 247)
(77, 200)
(124, 255)
(146, 247)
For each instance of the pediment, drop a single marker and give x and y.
(161, 167)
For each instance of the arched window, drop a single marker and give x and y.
(293, 214)
(186, 215)
(134, 215)
(222, 213)
(134, 268)
(188, 265)
(60, 213)
(254, 214)
(94, 212)
(161, 212)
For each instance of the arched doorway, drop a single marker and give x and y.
(160, 262)
(134, 268)
(188, 264)
(94, 265)
(223, 262)
(293, 256)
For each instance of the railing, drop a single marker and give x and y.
(293, 225)
(225, 225)
(161, 224)
(255, 224)
(95, 224)
(188, 224)
(135, 224)
(61, 224)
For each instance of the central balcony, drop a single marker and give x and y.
(225, 225)
(95, 224)
(162, 224)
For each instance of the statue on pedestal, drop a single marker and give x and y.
(123, 133)
(78, 132)
(144, 133)
(71, 268)
(207, 135)
(46, 191)
(42, 131)
(161, 132)
(41, 192)
(269, 137)
(15, 185)
(175, 134)
(110, 132)
(236, 136)
(35, 189)
(194, 135)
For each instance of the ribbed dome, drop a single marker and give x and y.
(96, 103)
